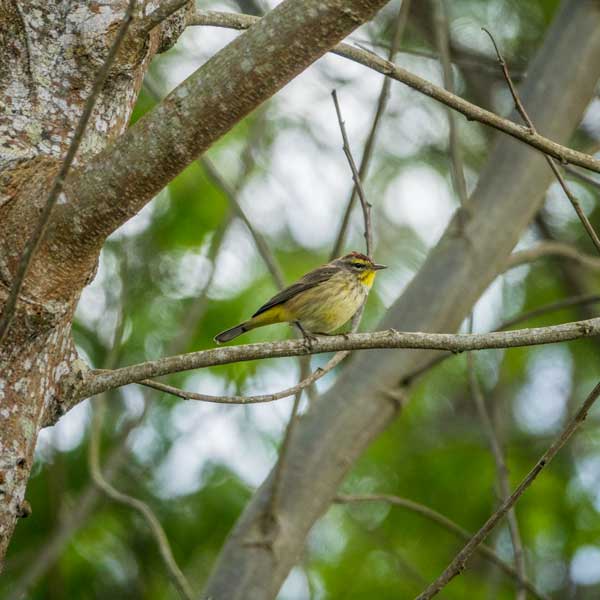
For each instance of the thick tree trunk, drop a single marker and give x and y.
(338, 428)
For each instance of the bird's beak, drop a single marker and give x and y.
(377, 267)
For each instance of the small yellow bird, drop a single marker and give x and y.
(320, 302)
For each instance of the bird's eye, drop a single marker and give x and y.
(358, 265)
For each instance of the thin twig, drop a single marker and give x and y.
(259, 240)
(389, 69)
(258, 399)
(99, 406)
(177, 577)
(582, 176)
(544, 249)
(366, 206)
(459, 562)
(443, 45)
(96, 381)
(501, 473)
(382, 101)
(561, 180)
(32, 244)
(486, 551)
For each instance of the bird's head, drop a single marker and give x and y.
(361, 266)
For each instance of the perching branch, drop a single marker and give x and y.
(471, 111)
(97, 381)
(425, 511)
(57, 186)
(458, 564)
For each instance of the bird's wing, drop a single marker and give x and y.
(310, 280)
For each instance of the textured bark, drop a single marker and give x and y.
(50, 53)
(337, 429)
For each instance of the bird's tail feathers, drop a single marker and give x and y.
(230, 334)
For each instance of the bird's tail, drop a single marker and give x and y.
(230, 334)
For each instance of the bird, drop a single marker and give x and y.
(320, 302)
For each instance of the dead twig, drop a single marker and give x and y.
(366, 206)
(382, 101)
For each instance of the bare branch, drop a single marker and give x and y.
(582, 300)
(98, 380)
(501, 473)
(458, 563)
(582, 176)
(436, 517)
(471, 111)
(382, 101)
(366, 207)
(544, 249)
(443, 44)
(177, 577)
(521, 109)
(57, 186)
(259, 240)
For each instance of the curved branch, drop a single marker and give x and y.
(385, 67)
(98, 380)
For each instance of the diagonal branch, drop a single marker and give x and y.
(98, 380)
(436, 517)
(116, 183)
(57, 186)
(561, 180)
(386, 67)
(459, 562)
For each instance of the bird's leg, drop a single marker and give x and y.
(309, 338)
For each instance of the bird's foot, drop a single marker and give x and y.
(309, 338)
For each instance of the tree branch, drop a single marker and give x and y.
(459, 562)
(57, 186)
(501, 474)
(366, 207)
(98, 380)
(177, 577)
(544, 249)
(521, 109)
(116, 183)
(436, 517)
(382, 101)
(385, 67)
